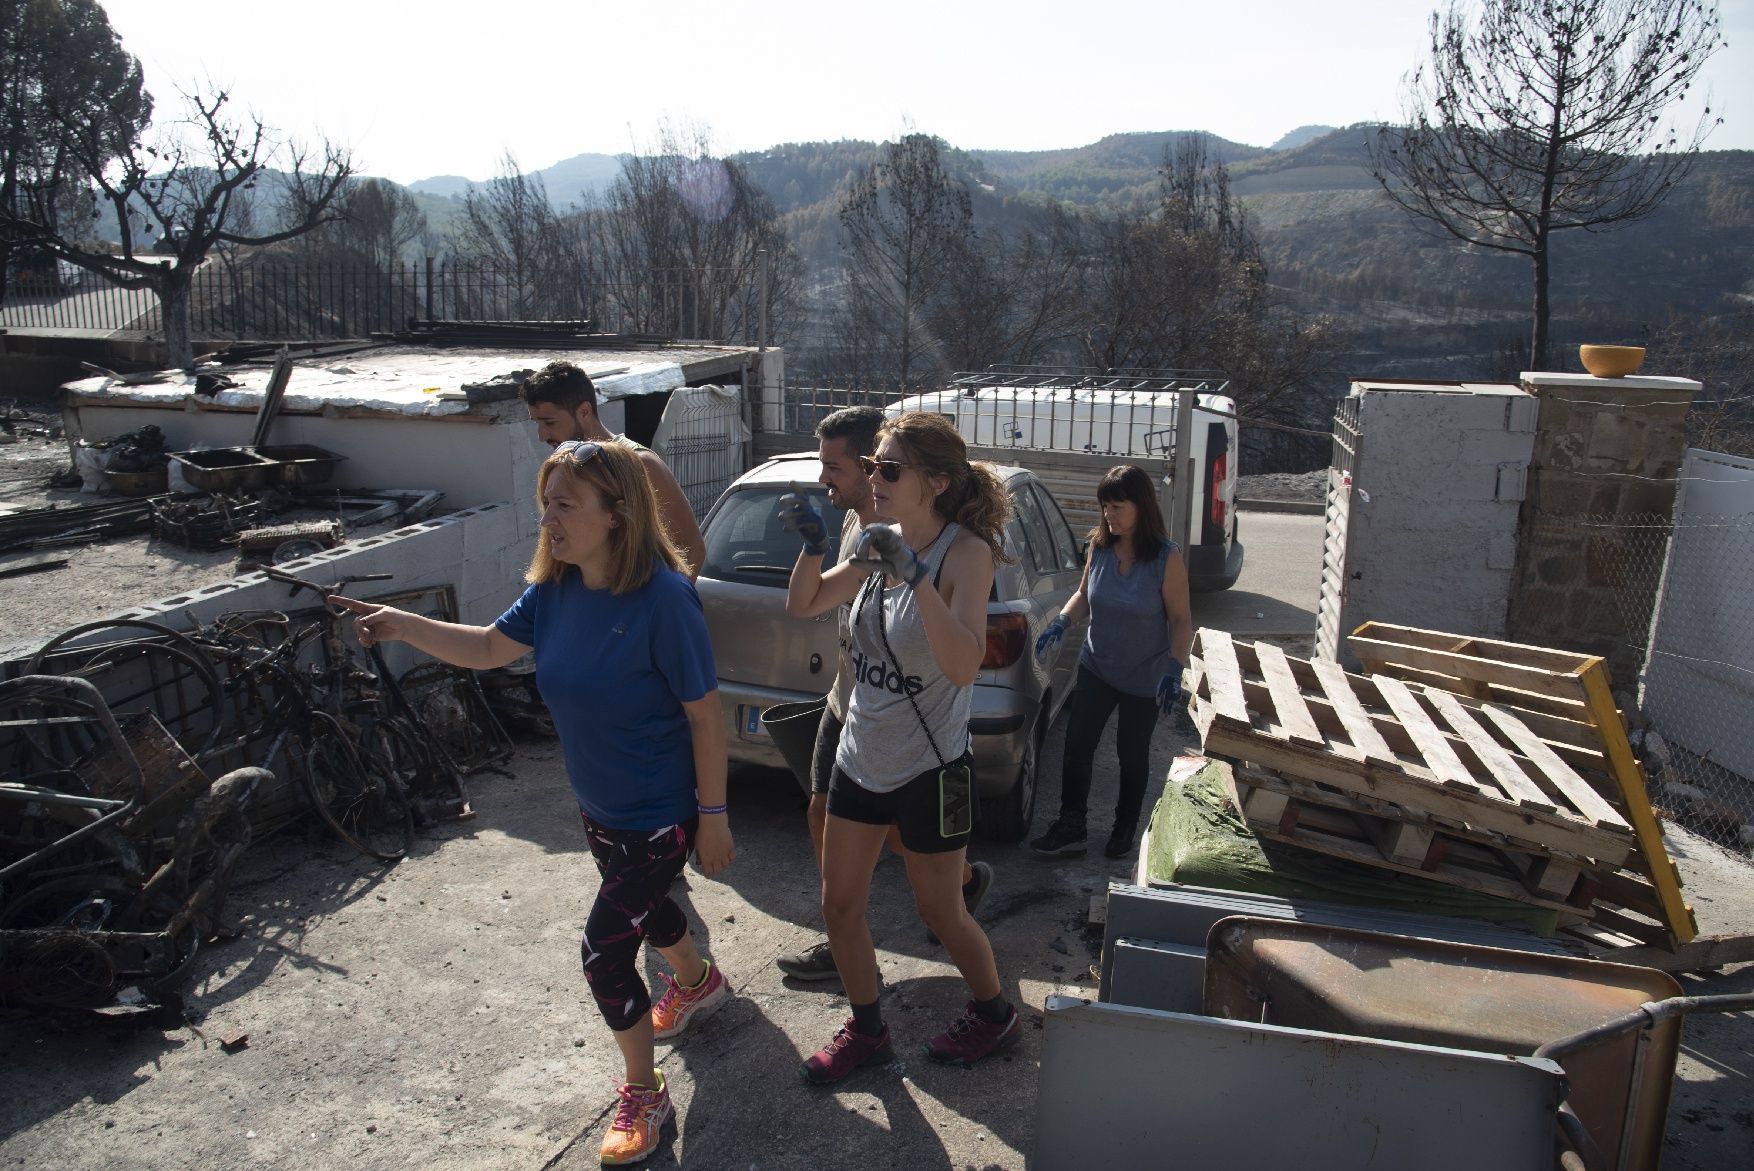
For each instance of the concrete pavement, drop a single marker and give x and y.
(433, 1016)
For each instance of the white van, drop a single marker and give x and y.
(1070, 427)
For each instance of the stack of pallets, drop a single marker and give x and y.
(1486, 765)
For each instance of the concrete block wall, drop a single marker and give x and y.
(1431, 524)
(1608, 452)
(427, 555)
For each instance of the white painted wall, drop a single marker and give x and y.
(475, 462)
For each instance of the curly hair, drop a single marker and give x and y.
(975, 498)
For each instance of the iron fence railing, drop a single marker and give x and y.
(267, 298)
(1045, 409)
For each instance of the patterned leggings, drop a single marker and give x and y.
(633, 906)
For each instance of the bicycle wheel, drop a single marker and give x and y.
(365, 805)
(433, 783)
(86, 905)
(163, 671)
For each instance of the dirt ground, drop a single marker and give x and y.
(431, 1014)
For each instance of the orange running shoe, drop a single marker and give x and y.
(639, 1122)
(678, 1006)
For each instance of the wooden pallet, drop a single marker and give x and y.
(1385, 836)
(1380, 739)
(1565, 698)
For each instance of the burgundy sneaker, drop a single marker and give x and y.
(848, 1051)
(972, 1037)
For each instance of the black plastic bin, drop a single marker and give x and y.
(793, 729)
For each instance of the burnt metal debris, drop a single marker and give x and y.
(117, 843)
(59, 526)
(115, 869)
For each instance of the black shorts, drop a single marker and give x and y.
(913, 809)
(827, 743)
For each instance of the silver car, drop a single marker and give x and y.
(767, 658)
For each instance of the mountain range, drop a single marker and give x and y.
(1418, 305)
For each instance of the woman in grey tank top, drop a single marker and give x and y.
(1135, 590)
(919, 590)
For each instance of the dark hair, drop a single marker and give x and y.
(975, 498)
(1130, 482)
(560, 383)
(857, 425)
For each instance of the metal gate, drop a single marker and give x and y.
(1330, 607)
(704, 440)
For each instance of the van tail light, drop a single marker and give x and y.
(1006, 634)
(1215, 492)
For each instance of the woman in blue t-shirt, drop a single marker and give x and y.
(1135, 590)
(625, 667)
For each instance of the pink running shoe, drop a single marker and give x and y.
(972, 1037)
(849, 1050)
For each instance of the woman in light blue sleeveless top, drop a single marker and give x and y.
(1135, 590)
(919, 591)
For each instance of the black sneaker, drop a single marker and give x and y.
(1060, 839)
(813, 963)
(977, 887)
(973, 891)
(1120, 843)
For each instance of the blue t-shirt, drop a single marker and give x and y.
(615, 670)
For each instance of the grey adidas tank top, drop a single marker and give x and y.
(884, 744)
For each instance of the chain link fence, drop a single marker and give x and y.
(1674, 593)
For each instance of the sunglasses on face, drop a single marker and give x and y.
(580, 451)
(889, 469)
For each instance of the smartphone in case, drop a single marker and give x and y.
(955, 800)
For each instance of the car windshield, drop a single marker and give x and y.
(746, 542)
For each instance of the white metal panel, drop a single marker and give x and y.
(1132, 1087)
(1702, 641)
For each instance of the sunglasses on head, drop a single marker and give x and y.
(889, 469)
(580, 451)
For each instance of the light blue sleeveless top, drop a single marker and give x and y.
(1127, 642)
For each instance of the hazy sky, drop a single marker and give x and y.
(447, 87)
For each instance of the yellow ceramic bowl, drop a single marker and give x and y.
(1611, 361)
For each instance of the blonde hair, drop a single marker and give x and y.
(637, 544)
(974, 498)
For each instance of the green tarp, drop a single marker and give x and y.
(1198, 838)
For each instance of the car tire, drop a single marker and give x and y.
(1006, 818)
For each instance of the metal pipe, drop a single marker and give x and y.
(1644, 1016)
(1585, 1154)
(761, 330)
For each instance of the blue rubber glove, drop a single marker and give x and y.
(800, 516)
(1050, 638)
(1169, 688)
(880, 548)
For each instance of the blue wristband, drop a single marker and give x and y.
(711, 809)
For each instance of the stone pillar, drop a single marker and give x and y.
(1592, 532)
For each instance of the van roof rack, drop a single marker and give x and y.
(1089, 378)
